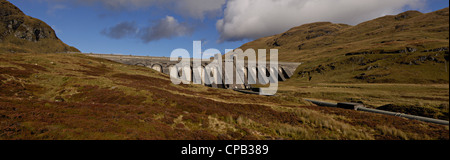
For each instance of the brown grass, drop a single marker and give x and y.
(384, 50)
(99, 99)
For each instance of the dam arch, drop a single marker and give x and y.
(164, 65)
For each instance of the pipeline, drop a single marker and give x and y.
(256, 91)
(360, 107)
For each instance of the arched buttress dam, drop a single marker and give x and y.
(163, 65)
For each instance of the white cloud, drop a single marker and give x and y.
(251, 19)
(54, 7)
(165, 28)
(123, 4)
(121, 30)
(192, 8)
(199, 8)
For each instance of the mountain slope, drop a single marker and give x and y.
(74, 96)
(410, 47)
(20, 33)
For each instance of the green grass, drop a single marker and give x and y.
(429, 100)
(385, 61)
(389, 49)
(15, 45)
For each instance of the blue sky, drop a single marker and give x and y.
(156, 27)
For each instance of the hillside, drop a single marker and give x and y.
(20, 33)
(74, 96)
(410, 47)
(46, 95)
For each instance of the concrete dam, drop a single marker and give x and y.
(251, 71)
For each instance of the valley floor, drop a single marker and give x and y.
(73, 96)
(430, 100)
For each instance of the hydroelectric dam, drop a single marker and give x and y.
(251, 71)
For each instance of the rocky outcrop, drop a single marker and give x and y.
(16, 23)
(15, 27)
(406, 50)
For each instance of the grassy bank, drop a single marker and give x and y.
(74, 96)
